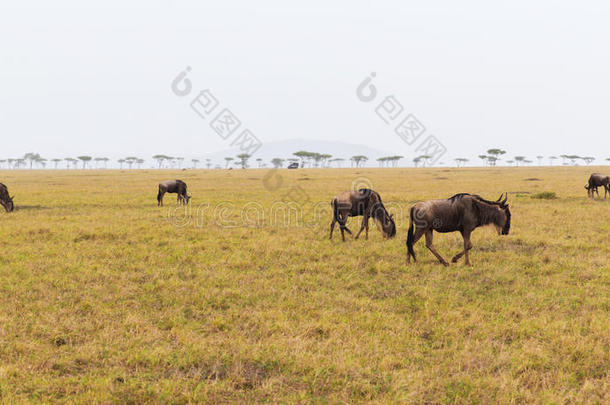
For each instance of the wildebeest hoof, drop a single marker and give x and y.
(445, 264)
(455, 259)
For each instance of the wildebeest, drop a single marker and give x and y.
(367, 203)
(463, 213)
(598, 180)
(173, 186)
(5, 199)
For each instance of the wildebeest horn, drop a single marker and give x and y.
(501, 195)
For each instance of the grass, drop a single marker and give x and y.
(105, 298)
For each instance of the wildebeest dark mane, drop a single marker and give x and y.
(487, 211)
(475, 196)
(379, 210)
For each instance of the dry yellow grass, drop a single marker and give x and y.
(103, 298)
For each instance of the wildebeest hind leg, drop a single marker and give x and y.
(419, 232)
(430, 246)
(343, 227)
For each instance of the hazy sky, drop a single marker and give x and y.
(530, 77)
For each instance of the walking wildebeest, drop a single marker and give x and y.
(173, 186)
(598, 180)
(5, 199)
(363, 202)
(463, 213)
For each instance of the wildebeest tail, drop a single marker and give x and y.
(410, 235)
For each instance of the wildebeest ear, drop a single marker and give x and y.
(501, 195)
(392, 216)
(503, 202)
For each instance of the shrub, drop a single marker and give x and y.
(545, 195)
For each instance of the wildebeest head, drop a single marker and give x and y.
(390, 229)
(187, 198)
(502, 223)
(385, 222)
(8, 203)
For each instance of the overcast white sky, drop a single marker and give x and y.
(529, 77)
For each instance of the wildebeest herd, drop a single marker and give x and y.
(461, 213)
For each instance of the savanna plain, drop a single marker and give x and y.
(107, 298)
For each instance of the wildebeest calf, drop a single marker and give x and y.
(463, 213)
(367, 203)
(598, 180)
(5, 199)
(173, 186)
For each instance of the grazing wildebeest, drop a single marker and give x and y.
(5, 199)
(367, 203)
(173, 186)
(598, 180)
(463, 213)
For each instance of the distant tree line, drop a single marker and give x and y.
(303, 158)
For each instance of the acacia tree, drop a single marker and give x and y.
(243, 159)
(160, 159)
(359, 159)
(195, 161)
(130, 160)
(588, 159)
(519, 159)
(85, 160)
(460, 161)
(303, 156)
(97, 161)
(32, 157)
(277, 162)
(338, 161)
(56, 162)
(495, 153)
(552, 159)
(228, 160)
(539, 157)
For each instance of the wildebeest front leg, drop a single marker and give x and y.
(467, 247)
(430, 246)
(365, 224)
(332, 227)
